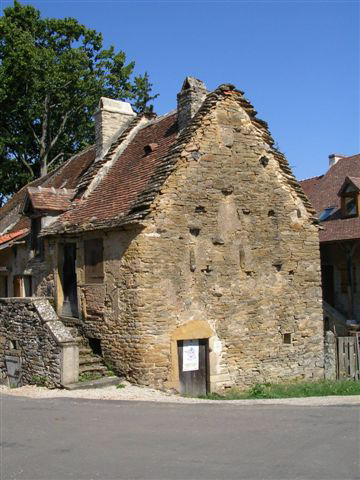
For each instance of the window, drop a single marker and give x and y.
(350, 206)
(37, 244)
(325, 214)
(349, 200)
(94, 268)
(344, 279)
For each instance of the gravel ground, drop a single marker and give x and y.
(132, 392)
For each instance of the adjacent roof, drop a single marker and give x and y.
(8, 237)
(353, 181)
(323, 193)
(50, 199)
(67, 176)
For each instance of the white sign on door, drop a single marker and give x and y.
(190, 355)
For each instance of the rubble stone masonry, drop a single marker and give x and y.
(229, 253)
(32, 336)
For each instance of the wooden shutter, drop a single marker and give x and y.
(94, 268)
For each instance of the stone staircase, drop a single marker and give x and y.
(91, 363)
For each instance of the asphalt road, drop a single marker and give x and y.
(56, 439)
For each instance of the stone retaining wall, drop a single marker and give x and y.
(35, 342)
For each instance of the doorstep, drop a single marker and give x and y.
(99, 383)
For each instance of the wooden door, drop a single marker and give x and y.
(193, 358)
(327, 279)
(69, 283)
(17, 286)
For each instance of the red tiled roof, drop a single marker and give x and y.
(67, 175)
(323, 192)
(13, 235)
(128, 177)
(53, 199)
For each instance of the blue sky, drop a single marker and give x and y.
(297, 61)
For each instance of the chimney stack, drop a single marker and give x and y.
(334, 158)
(189, 100)
(111, 116)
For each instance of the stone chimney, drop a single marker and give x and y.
(111, 116)
(334, 158)
(189, 100)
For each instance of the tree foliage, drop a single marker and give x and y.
(52, 74)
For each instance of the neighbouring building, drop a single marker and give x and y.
(180, 247)
(335, 196)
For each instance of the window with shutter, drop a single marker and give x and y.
(94, 268)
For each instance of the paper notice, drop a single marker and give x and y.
(190, 355)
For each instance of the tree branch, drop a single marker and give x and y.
(61, 154)
(61, 129)
(36, 137)
(45, 125)
(24, 162)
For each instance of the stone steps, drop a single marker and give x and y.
(89, 362)
(93, 369)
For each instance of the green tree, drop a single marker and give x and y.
(52, 74)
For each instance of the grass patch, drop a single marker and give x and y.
(120, 385)
(290, 390)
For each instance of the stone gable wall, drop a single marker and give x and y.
(229, 252)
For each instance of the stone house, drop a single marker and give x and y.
(181, 247)
(335, 196)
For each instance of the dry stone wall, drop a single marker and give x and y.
(229, 250)
(33, 337)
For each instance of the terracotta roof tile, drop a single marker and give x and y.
(128, 177)
(51, 199)
(323, 193)
(7, 237)
(67, 175)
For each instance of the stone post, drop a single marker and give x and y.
(330, 358)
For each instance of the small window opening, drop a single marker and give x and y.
(246, 211)
(264, 161)
(200, 209)
(298, 213)
(291, 272)
(194, 231)
(271, 213)
(95, 345)
(287, 338)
